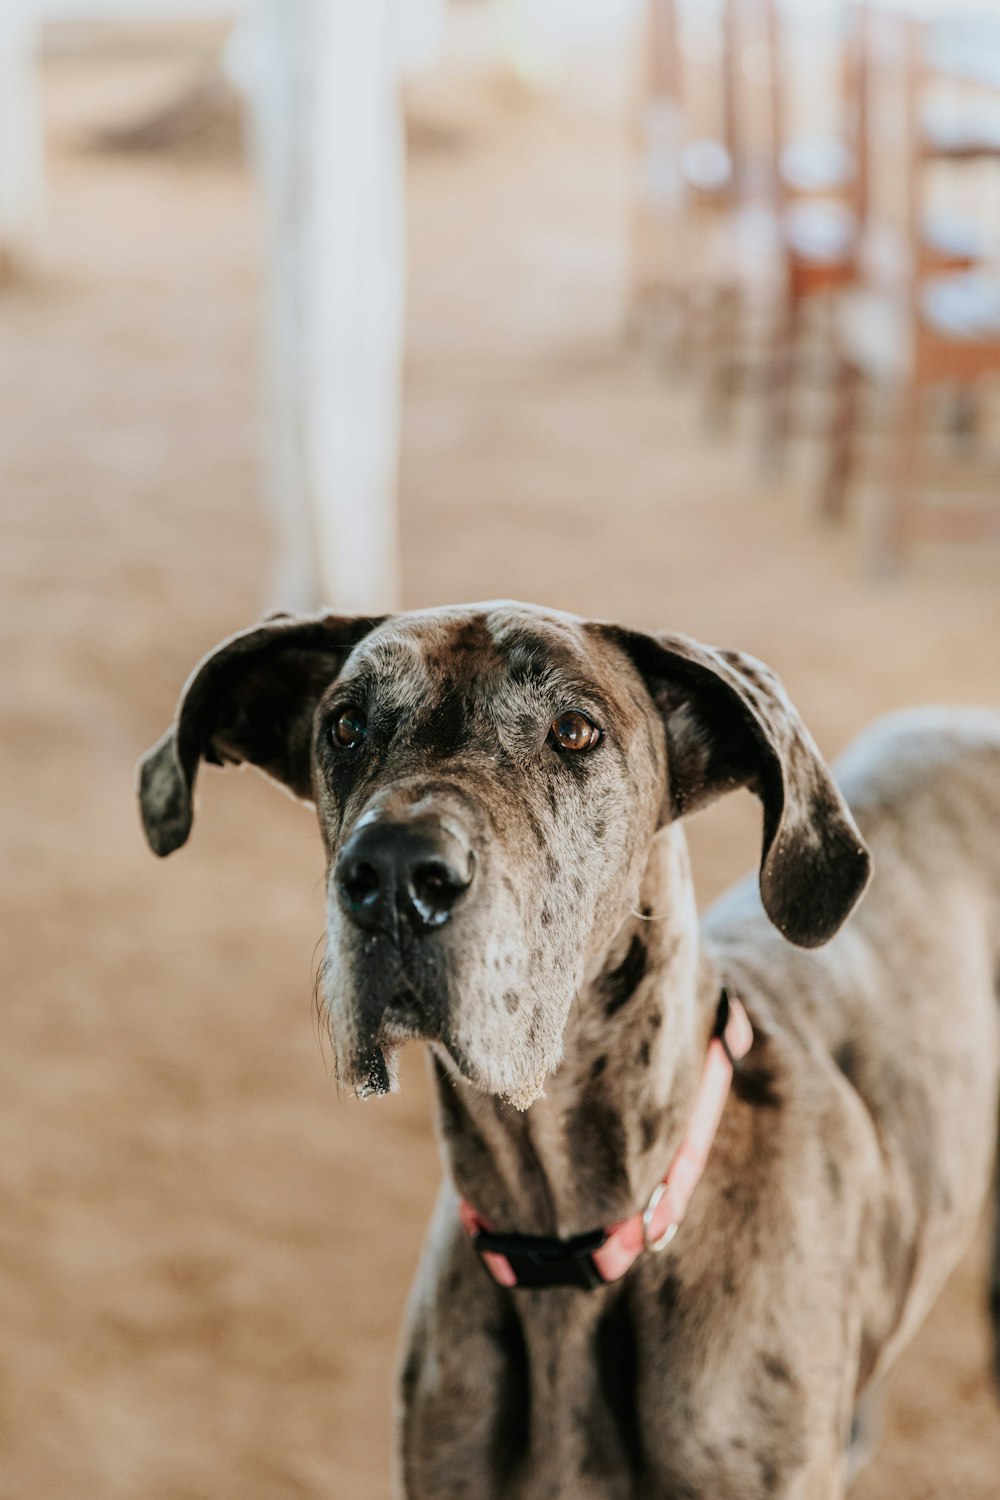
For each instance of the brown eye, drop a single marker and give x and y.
(574, 731)
(349, 727)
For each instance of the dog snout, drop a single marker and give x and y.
(417, 871)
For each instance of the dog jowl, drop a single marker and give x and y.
(488, 780)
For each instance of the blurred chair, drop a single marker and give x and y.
(803, 179)
(905, 326)
(687, 177)
(704, 211)
(820, 187)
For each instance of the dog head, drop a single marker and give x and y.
(488, 780)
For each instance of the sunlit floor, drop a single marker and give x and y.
(204, 1252)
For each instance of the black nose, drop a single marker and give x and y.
(392, 869)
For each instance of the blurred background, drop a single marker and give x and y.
(680, 313)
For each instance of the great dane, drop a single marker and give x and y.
(703, 1181)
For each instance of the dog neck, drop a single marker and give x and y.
(590, 1150)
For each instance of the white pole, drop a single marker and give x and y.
(323, 78)
(21, 146)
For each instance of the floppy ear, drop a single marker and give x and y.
(730, 723)
(252, 699)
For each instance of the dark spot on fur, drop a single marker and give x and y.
(597, 1147)
(598, 1065)
(619, 984)
(552, 865)
(649, 1128)
(600, 829)
(776, 1369)
(546, 916)
(471, 638)
(846, 1059)
(769, 1475)
(833, 1175)
(511, 1001)
(453, 1111)
(527, 657)
(754, 1084)
(616, 1364)
(512, 1396)
(472, 1157)
(411, 1371)
(867, 1358)
(443, 729)
(670, 1297)
(453, 1281)
(643, 1054)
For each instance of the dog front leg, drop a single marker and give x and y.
(463, 1420)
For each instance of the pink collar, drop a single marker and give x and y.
(604, 1255)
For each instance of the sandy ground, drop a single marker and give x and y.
(204, 1254)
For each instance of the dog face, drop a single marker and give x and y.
(488, 780)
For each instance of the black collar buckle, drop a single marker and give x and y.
(541, 1260)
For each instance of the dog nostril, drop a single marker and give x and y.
(434, 889)
(361, 885)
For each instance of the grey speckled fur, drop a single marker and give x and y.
(568, 1005)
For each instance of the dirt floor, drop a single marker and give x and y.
(204, 1253)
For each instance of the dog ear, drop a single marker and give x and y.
(252, 699)
(730, 723)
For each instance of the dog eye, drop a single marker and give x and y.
(574, 731)
(349, 727)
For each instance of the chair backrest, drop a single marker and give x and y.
(798, 67)
(661, 61)
(888, 189)
(686, 82)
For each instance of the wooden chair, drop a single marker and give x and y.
(686, 178)
(703, 179)
(819, 226)
(905, 326)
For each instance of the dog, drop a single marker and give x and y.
(703, 1182)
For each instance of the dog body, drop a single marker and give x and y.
(527, 906)
(845, 1180)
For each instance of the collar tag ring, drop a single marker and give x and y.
(647, 1221)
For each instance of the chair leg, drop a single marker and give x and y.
(841, 441)
(640, 274)
(724, 356)
(778, 382)
(965, 420)
(694, 320)
(653, 291)
(895, 514)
